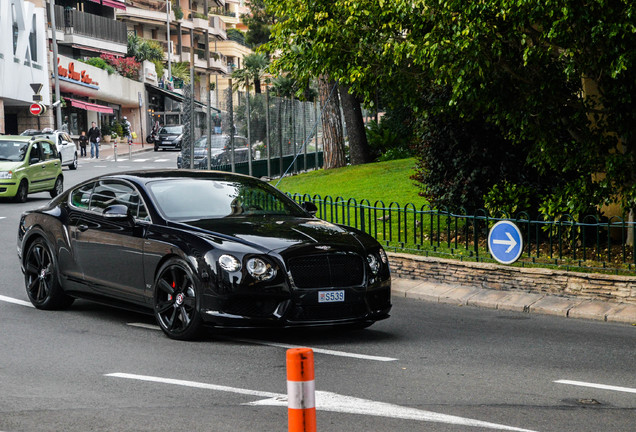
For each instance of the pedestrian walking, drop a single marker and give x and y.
(83, 142)
(94, 136)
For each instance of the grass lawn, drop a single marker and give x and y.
(379, 181)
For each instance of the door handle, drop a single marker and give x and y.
(82, 227)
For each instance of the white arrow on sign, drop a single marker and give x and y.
(327, 401)
(511, 242)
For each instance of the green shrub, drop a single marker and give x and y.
(99, 62)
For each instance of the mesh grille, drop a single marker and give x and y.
(322, 271)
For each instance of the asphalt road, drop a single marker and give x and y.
(430, 367)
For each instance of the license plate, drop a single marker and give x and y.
(330, 296)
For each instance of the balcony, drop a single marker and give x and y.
(145, 11)
(91, 31)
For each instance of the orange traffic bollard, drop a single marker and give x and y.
(301, 399)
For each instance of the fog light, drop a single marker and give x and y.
(260, 270)
(229, 263)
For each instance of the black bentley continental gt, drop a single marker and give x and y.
(201, 248)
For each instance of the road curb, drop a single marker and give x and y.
(567, 307)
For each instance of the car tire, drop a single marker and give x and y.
(58, 188)
(22, 193)
(73, 165)
(176, 301)
(41, 278)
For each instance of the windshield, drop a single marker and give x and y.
(218, 141)
(13, 151)
(192, 199)
(172, 130)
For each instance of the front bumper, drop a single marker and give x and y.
(300, 309)
(8, 188)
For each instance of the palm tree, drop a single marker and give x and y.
(254, 66)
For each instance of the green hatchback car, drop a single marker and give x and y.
(28, 165)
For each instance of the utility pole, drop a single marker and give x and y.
(168, 36)
(56, 77)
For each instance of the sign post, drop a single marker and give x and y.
(505, 242)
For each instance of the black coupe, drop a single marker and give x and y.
(201, 247)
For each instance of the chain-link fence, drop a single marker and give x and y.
(264, 135)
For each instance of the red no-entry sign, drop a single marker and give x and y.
(36, 109)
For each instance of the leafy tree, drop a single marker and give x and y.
(555, 78)
(258, 23)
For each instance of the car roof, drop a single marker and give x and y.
(147, 176)
(23, 138)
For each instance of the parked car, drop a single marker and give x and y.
(219, 150)
(201, 248)
(65, 145)
(28, 165)
(169, 137)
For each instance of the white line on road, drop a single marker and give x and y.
(318, 350)
(279, 345)
(598, 386)
(15, 301)
(328, 401)
(139, 160)
(162, 160)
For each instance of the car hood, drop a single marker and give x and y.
(282, 234)
(10, 166)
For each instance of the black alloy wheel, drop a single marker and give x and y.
(175, 301)
(58, 188)
(23, 191)
(40, 278)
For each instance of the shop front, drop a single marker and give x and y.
(91, 95)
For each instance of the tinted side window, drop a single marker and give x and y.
(81, 196)
(108, 193)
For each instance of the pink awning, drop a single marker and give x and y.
(114, 4)
(90, 106)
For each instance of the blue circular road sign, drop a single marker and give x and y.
(505, 242)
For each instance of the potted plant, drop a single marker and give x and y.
(106, 131)
(118, 130)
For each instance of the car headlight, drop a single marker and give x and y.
(6, 174)
(383, 256)
(260, 270)
(374, 264)
(229, 263)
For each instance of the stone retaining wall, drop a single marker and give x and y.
(500, 277)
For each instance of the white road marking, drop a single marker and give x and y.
(279, 345)
(15, 301)
(3, 217)
(318, 350)
(162, 160)
(598, 386)
(328, 401)
(139, 160)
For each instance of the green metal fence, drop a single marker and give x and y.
(591, 244)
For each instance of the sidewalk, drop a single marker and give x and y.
(570, 307)
(107, 150)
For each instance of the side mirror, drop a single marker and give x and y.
(117, 212)
(309, 207)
